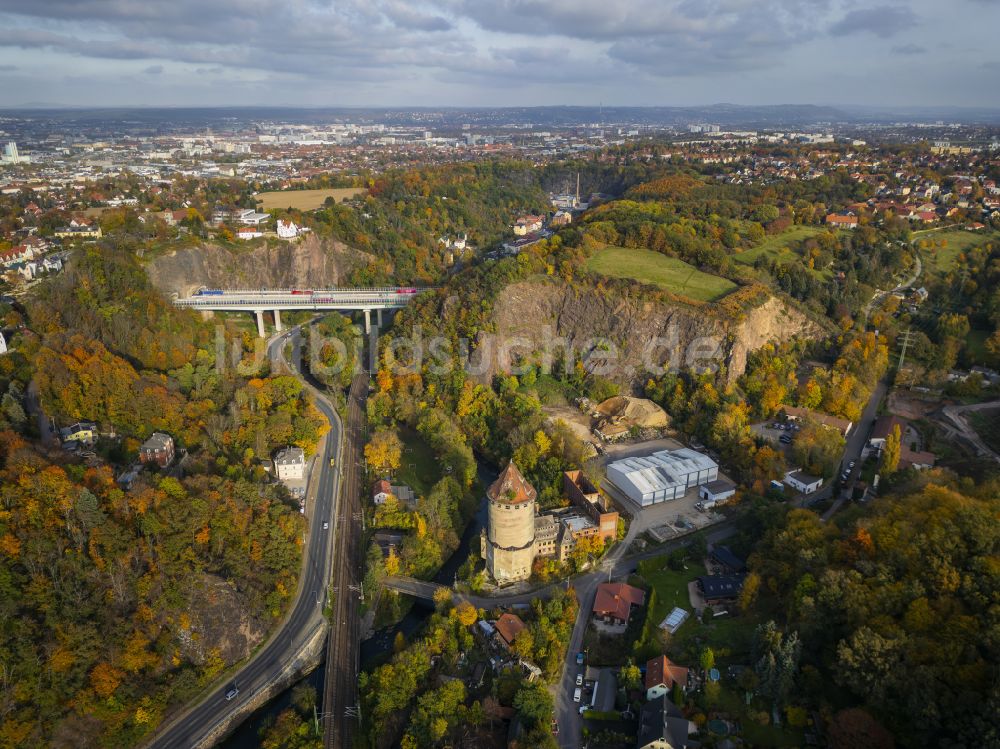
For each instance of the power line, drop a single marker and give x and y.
(907, 337)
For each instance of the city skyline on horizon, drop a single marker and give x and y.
(460, 54)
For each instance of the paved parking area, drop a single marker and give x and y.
(664, 520)
(768, 432)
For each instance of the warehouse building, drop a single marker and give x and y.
(662, 476)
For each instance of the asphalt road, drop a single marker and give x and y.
(190, 728)
(853, 448)
(615, 565)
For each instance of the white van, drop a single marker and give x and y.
(576, 694)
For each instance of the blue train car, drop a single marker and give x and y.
(209, 292)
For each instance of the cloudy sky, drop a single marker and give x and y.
(499, 52)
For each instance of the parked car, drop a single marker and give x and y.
(577, 694)
(579, 659)
(579, 680)
(326, 525)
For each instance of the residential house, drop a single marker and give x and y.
(290, 464)
(561, 218)
(83, 231)
(917, 459)
(720, 589)
(663, 726)
(387, 541)
(528, 225)
(19, 254)
(287, 229)
(508, 627)
(159, 449)
(172, 218)
(614, 602)
(727, 561)
(83, 432)
(803, 482)
(883, 428)
(249, 232)
(842, 220)
(383, 490)
(661, 675)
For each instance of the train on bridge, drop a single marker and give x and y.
(203, 292)
(257, 301)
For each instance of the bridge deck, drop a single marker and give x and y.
(266, 299)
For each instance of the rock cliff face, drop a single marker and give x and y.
(310, 262)
(219, 622)
(638, 335)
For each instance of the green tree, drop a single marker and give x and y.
(534, 703)
(891, 451)
(630, 676)
(706, 660)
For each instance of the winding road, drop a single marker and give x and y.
(196, 725)
(878, 296)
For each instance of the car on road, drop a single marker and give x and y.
(326, 525)
(232, 692)
(852, 464)
(555, 727)
(577, 693)
(785, 439)
(579, 680)
(579, 659)
(332, 461)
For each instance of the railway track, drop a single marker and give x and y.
(341, 709)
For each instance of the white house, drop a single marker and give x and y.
(803, 482)
(290, 464)
(249, 232)
(287, 229)
(383, 490)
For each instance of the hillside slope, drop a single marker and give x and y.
(642, 330)
(311, 262)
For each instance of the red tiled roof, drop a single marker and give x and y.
(382, 487)
(660, 670)
(511, 487)
(908, 457)
(884, 424)
(509, 626)
(617, 599)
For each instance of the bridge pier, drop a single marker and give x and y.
(368, 321)
(277, 320)
(260, 322)
(378, 317)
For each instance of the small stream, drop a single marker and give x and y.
(376, 647)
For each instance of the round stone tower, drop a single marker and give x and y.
(510, 528)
